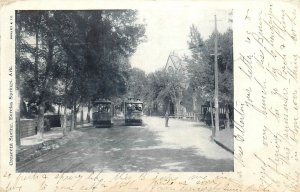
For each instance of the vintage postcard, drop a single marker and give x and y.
(150, 96)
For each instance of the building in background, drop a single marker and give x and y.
(183, 104)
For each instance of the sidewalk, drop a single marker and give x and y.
(54, 133)
(32, 147)
(225, 139)
(185, 134)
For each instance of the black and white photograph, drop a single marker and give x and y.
(124, 90)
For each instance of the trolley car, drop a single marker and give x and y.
(102, 113)
(133, 110)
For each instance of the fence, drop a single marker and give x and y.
(28, 127)
(188, 115)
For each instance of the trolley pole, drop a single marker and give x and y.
(216, 82)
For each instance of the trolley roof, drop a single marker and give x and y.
(105, 101)
(136, 101)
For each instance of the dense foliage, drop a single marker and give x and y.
(201, 65)
(166, 86)
(72, 57)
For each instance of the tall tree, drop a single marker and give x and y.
(39, 58)
(73, 57)
(100, 51)
(200, 66)
(137, 83)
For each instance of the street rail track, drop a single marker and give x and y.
(21, 168)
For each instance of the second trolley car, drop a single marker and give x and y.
(133, 110)
(102, 113)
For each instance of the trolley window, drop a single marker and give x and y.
(134, 106)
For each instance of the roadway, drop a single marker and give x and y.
(184, 146)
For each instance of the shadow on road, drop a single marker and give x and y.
(124, 149)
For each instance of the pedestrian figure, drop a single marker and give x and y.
(167, 119)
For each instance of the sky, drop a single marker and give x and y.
(168, 30)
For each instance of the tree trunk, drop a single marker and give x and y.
(40, 124)
(227, 117)
(65, 119)
(36, 55)
(81, 115)
(58, 110)
(167, 114)
(65, 123)
(177, 102)
(75, 115)
(23, 108)
(74, 119)
(88, 116)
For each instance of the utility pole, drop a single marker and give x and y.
(216, 131)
